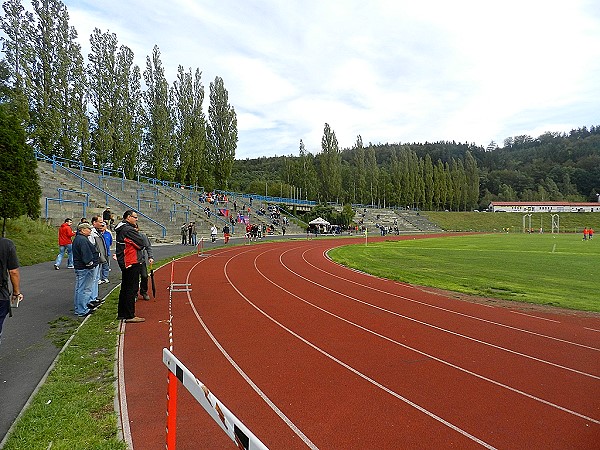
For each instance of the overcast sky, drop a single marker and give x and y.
(391, 70)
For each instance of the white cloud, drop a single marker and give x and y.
(401, 71)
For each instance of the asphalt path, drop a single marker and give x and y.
(26, 351)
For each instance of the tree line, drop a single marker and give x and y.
(434, 176)
(99, 113)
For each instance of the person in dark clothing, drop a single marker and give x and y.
(9, 269)
(129, 256)
(147, 259)
(85, 261)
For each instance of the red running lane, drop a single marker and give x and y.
(311, 354)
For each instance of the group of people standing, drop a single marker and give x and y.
(189, 233)
(89, 254)
(588, 233)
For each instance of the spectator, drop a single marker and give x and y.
(85, 261)
(184, 232)
(9, 268)
(213, 233)
(98, 240)
(65, 243)
(108, 239)
(226, 233)
(129, 257)
(147, 260)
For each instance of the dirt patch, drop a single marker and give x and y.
(514, 305)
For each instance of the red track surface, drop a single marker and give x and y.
(353, 361)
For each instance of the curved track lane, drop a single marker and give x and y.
(309, 354)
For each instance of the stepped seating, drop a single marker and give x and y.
(406, 221)
(163, 209)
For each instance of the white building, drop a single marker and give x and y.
(549, 207)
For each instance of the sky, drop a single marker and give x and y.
(399, 71)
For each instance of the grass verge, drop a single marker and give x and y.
(74, 408)
(544, 269)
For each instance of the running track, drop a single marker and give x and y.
(329, 358)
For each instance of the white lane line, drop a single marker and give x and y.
(243, 374)
(445, 309)
(353, 370)
(122, 392)
(435, 327)
(449, 364)
(535, 317)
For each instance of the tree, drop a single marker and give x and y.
(19, 188)
(331, 165)
(472, 181)
(222, 133)
(359, 171)
(17, 25)
(159, 154)
(54, 82)
(309, 173)
(372, 174)
(190, 128)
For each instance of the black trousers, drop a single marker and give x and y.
(143, 279)
(130, 281)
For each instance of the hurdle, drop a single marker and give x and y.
(200, 248)
(229, 423)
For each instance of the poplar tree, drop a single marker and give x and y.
(129, 114)
(372, 171)
(19, 188)
(102, 73)
(331, 164)
(55, 81)
(428, 182)
(17, 25)
(198, 172)
(222, 133)
(309, 181)
(359, 170)
(158, 145)
(472, 181)
(189, 126)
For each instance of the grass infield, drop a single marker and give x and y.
(547, 269)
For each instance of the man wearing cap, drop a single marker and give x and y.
(85, 261)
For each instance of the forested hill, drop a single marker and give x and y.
(553, 166)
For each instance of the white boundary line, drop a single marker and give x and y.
(124, 413)
(497, 383)
(355, 371)
(243, 374)
(227, 421)
(440, 308)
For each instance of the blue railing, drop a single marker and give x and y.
(58, 164)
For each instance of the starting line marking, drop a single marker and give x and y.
(231, 425)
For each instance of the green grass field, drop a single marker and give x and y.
(559, 270)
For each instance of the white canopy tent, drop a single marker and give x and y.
(319, 221)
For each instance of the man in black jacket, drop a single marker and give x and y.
(85, 261)
(129, 256)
